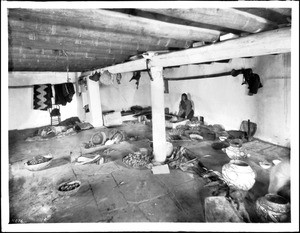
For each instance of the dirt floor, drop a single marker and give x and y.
(113, 192)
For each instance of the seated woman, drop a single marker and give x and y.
(185, 108)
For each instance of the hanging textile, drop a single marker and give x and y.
(42, 95)
(64, 93)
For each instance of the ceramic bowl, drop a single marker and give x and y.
(276, 161)
(265, 164)
(222, 138)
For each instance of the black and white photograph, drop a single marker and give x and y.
(169, 116)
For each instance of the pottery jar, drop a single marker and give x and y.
(239, 175)
(273, 208)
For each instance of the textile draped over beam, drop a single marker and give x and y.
(42, 95)
(64, 93)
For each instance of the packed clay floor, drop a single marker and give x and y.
(114, 192)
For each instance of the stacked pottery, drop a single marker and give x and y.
(239, 175)
(273, 208)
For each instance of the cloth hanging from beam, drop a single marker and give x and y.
(64, 93)
(42, 95)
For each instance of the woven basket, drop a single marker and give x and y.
(70, 192)
(40, 166)
(98, 138)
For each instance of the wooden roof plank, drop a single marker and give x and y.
(119, 22)
(223, 17)
(79, 33)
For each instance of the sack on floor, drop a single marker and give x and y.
(252, 128)
(83, 126)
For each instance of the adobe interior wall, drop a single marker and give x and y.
(122, 96)
(223, 100)
(21, 114)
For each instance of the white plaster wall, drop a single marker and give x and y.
(21, 114)
(223, 100)
(122, 96)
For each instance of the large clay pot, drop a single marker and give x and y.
(239, 175)
(273, 208)
(169, 149)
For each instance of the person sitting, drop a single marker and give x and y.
(185, 108)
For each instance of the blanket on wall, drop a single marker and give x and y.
(42, 95)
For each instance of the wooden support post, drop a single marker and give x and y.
(158, 115)
(94, 103)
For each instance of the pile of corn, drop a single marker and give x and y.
(136, 159)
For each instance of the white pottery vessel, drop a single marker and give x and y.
(239, 175)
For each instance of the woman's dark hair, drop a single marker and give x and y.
(184, 95)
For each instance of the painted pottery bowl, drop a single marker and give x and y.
(265, 164)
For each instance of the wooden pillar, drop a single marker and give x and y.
(158, 114)
(94, 103)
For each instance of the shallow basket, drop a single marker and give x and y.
(40, 166)
(68, 193)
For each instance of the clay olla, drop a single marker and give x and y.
(273, 208)
(238, 174)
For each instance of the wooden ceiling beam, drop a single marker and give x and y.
(223, 17)
(174, 20)
(119, 22)
(38, 53)
(59, 41)
(283, 11)
(61, 60)
(79, 33)
(19, 47)
(264, 43)
(268, 13)
(30, 65)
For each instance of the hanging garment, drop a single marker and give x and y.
(95, 77)
(118, 78)
(42, 95)
(64, 93)
(106, 78)
(253, 81)
(254, 84)
(136, 76)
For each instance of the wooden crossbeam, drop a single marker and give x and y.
(264, 43)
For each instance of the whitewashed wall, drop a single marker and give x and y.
(21, 114)
(223, 100)
(122, 96)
